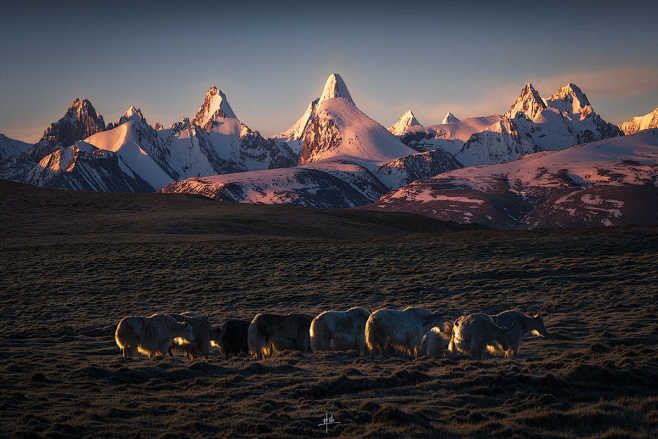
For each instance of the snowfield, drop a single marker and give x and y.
(611, 182)
(299, 186)
(124, 141)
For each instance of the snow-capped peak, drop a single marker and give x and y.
(132, 113)
(450, 118)
(339, 130)
(215, 104)
(570, 98)
(406, 121)
(639, 123)
(335, 88)
(529, 102)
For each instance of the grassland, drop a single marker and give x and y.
(74, 263)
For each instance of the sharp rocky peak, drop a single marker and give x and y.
(573, 91)
(81, 104)
(79, 122)
(335, 88)
(81, 109)
(529, 102)
(132, 113)
(215, 104)
(574, 99)
(449, 118)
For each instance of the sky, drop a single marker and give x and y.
(272, 58)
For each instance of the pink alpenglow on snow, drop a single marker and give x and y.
(406, 121)
(640, 123)
(339, 130)
(215, 105)
(609, 182)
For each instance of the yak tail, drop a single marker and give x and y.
(446, 332)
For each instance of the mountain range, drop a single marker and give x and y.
(334, 155)
(532, 124)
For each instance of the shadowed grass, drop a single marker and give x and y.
(69, 276)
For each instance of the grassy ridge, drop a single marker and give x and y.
(41, 214)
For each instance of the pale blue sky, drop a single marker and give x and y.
(271, 59)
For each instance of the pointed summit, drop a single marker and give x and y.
(449, 118)
(335, 88)
(79, 122)
(132, 113)
(529, 103)
(340, 131)
(215, 105)
(406, 121)
(571, 98)
(572, 91)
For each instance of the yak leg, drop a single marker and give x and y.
(476, 350)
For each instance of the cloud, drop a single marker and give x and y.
(29, 134)
(617, 83)
(625, 81)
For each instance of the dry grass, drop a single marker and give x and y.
(69, 277)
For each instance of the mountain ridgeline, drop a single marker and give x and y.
(334, 155)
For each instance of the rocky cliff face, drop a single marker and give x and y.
(321, 137)
(294, 136)
(257, 152)
(79, 122)
(404, 170)
(83, 167)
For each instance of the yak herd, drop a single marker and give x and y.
(412, 331)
